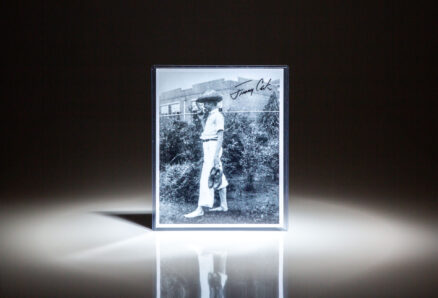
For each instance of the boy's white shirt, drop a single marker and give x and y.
(214, 123)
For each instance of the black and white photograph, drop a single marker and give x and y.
(220, 147)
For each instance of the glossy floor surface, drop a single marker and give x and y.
(104, 248)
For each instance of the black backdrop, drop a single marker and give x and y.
(77, 92)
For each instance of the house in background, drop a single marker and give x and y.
(243, 95)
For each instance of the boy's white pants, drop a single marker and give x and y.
(206, 195)
(206, 265)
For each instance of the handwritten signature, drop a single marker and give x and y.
(261, 85)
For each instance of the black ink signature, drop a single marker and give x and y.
(240, 91)
(261, 85)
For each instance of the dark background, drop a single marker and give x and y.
(77, 92)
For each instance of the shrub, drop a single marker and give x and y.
(232, 154)
(269, 159)
(240, 156)
(270, 122)
(180, 182)
(251, 155)
(179, 143)
(235, 125)
(251, 147)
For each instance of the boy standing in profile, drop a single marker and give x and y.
(212, 138)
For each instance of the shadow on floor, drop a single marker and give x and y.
(142, 219)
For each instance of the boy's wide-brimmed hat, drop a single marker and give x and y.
(215, 178)
(209, 96)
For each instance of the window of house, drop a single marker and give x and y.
(164, 109)
(175, 108)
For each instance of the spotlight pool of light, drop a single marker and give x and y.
(327, 243)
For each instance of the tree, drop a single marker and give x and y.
(270, 120)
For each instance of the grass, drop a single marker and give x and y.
(256, 207)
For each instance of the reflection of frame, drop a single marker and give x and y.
(211, 266)
(220, 147)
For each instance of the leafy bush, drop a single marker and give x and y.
(241, 145)
(179, 143)
(269, 128)
(269, 159)
(233, 147)
(180, 182)
(270, 122)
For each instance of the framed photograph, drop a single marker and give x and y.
(220, 147)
